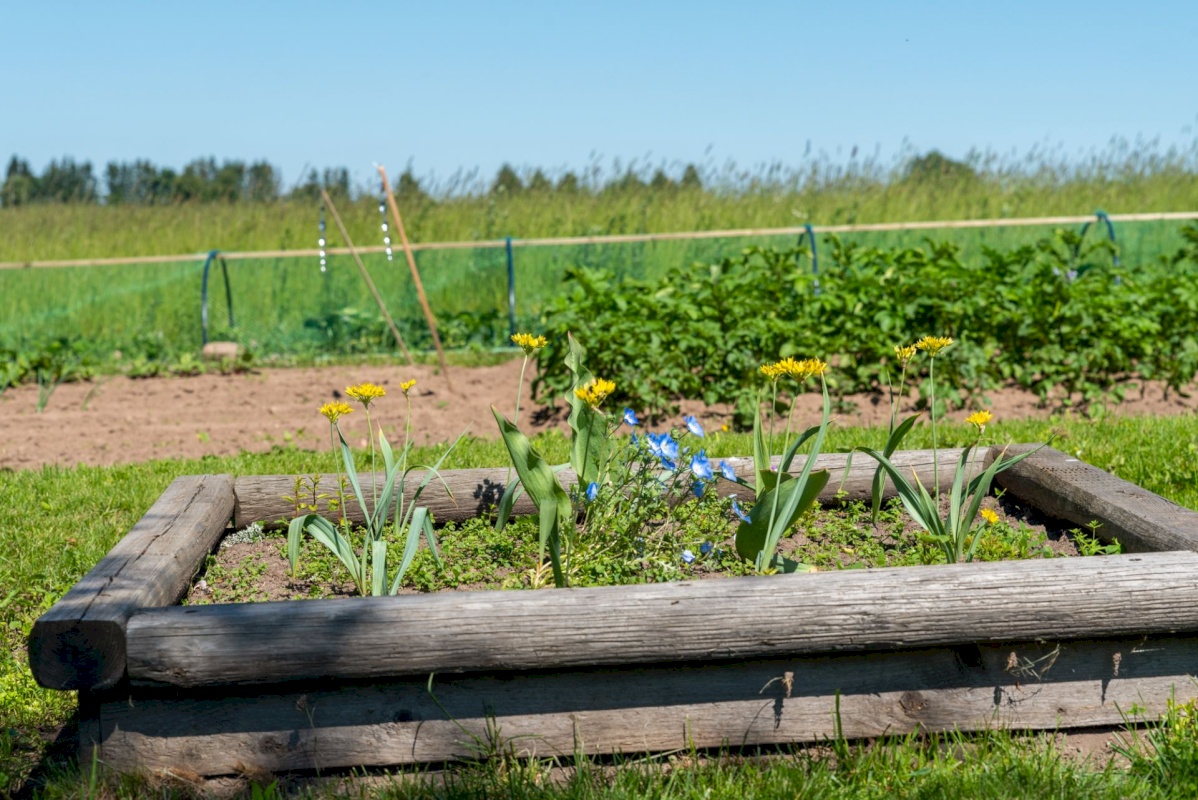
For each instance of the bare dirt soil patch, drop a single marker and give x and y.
(122, 420)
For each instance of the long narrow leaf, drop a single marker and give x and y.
(956, 498)
(912, 499)
(511, 493)
(789, 456)
(295, 535)
(892, 444)
(543, 488)
(420, 522)
(351, 472)
(324, 532)
(761, 456)
(589, 443)
(378, 567)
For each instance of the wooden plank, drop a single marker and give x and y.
(472, 492)
(735, 618)
(1067, 488)
(1045, 685)
(80, 642)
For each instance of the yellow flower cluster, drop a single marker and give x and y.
(365, 393)
(799, 370)
(933, 344)
(529, 343)
(406, 386)
(905, 353)
(335, 410)
(979, 419)
(990, 516)
(595, 392)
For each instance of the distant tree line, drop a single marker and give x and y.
(203, 180)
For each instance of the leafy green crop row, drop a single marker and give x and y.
(1059, 318)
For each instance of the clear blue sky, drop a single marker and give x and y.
(472, 84)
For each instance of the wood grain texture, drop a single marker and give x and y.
(80, 642)
(473, 492)
(735, 618)
(1045, 685)
(1067, 488)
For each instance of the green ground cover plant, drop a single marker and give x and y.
(56, 523)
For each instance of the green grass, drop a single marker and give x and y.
(56, 523)
(288, 306)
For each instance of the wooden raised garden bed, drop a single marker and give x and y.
(1049, 644)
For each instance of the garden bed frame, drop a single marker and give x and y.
(320, 684)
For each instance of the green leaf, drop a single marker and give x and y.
(295, 534)
(892, 444)
(511, 493)
(324, 532)
(421, 523)
(378, 567)
(588, 447)
(795, 497)
(542, 486)
(761, 456)
(351, 472)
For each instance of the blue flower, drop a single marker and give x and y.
(688, 557)
(592, 492)
(727, 471)
(668, 464)
(669, 447)
(630, 419)
(738, 512)
(693, 425)
(701, 466)
(706, 548)
(697, 488)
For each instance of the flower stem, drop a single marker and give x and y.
(935, 458)
(374, 487)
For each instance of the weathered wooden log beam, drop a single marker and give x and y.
(737, 618)
(80, 642)
(1041, 685)
(261, 498)
(1067, 488)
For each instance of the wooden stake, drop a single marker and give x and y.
(353, 251)
(407, 249)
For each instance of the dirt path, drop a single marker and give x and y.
(121, 420)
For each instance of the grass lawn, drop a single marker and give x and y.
(56, 523)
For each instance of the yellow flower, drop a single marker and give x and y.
(808, 368)
(595, 392)
(773, 371)
(933, 344)
(336, 410)
(799, 370)
(529, 343)
(989, 516)
(904, 354)
(365, 393)
(979, 419)
(406, 386)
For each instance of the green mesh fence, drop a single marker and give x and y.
(286, 306)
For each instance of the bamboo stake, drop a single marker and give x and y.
(407, 249)
(328, 201)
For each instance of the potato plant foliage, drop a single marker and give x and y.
(1059, 318)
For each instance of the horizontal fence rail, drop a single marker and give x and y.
(482, 244)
